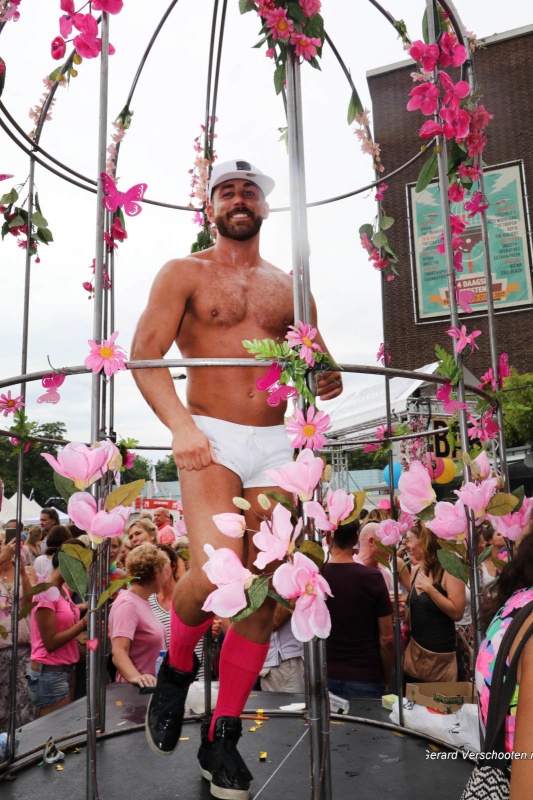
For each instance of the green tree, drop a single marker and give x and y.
(518, 408)
(358, 459)
(166, 470)
(139, 471)
(37, 474)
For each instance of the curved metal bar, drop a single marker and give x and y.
(210, 73)
(211, 127)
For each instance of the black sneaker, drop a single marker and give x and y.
(164, 715)
(230, 777)
(206, 752)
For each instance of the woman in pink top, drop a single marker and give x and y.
(55, 624)
(136, 635)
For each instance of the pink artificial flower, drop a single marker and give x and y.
(476, 205)
(280, 26)
(416, 490)
(390, 531)
(512, 525)
(487, 380)
(107, 356)
(300, 476)
(67, 20)
(225, 570)
(451, 53)
(453, 92)
(302, 579)
(117, 231)
(277, 393)
(58, 48)
(475, 144)
(302, 335)
(82, 464)
(465, 297)
(480, 119)
(10, 405)
(450, 406)
(230, 524)
(276, 538)
(87, 43)
(425, 54)
(109, 241)
(129, 459)
(483, 428)
(16, 442)
(308, 431)
(305, 46)
(425, 98)
(477, 495)
(339, 507)
(469, 171)
(366, 243)
(371, 448)
(380, 191)
(310, 7)
(456, 122)
(450, 520)
(382, 356)
(429, 129)
(83, 511)
(87, 285)
(463, 339)
(109, 6)
(457, 224)
(456, 193)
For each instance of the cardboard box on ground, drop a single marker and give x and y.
(444, 697)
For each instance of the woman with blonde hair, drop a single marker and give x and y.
(33, 541)
(140, 531)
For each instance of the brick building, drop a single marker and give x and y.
(503, 71)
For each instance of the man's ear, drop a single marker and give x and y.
(266, 209)
(210, 212)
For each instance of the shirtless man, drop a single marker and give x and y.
(209, 303)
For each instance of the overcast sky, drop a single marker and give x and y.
(158, 150)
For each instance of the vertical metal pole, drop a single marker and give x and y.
(92, 665)
(442, 159)
(15, 616)
(316, 690)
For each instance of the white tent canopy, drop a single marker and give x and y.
(30, 508)
(63, 518)
(8, 511)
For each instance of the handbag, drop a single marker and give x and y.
(427, 666)
(491, 779)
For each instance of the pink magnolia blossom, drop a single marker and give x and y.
(425, 54)
(276, 538)
(450, 406)
(339, 506)
(484, 428)
(305, 47)
(300, 476)
(280, 26)
(450, 520)
(429, 129)
(302, 579)
(230, 524)
(382, 356)
(451, 52)
(512, 525)
(456, 122)
(465, 297)
(453, 92)
(225, 570)
(390, 531)
(308, 431)
(416, 490)
(10, 405)
(310, 7)
(483, 469)
(476, 204)
(302, 334)
(83, 510)
(477, 495)
(424, 97)
(107, 356)
(456, 193)
(82, 464)
(463, 339)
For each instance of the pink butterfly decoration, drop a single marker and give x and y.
(92, 644)
(270, 382)
(51, 383)
(127, 200)
(5, 177)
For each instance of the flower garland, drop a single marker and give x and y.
(9, 10)
(200, 173)
(33, 232)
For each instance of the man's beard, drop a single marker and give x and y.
(240, 230)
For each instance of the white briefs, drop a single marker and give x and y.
(247, 450)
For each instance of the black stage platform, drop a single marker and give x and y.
(368, 762)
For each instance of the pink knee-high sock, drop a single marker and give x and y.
(240, 664)
(183, 640)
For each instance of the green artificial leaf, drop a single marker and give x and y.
(282, 500)
(501, 504)
(519, 493)
(15, 221)
(54, 74)
(3, 70)
(380, 239)
(44, 235)
(296, 13)
(125, 117)
(65, 486)
(451, 438)
(3, 632)
(368, 229)
(256, 595)
(484, 555)
(381, 559)
(427, 173)
(80, 553)
(38, 588)
(454, 547)
(74, 573)
(26, 609)
(359, 501)
(355, 106)
(386, 222)
(313, 551)
(427, 513)
(114, 587)
(467, 461)
(246, 5)
(124, 495)
(392, 252)
(439, 22)
(10, 197)
(453, 565)
(38, 220)
(281, 600)
(37, 204)
(401, 27)
(279, 78)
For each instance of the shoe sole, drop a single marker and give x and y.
(151, 744)
(205, 774)
(229, 794)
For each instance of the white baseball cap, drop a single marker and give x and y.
(241, 170)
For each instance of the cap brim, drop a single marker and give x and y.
(265, 183)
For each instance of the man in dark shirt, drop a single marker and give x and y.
(360, 646)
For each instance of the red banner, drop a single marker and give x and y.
(142, 503)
